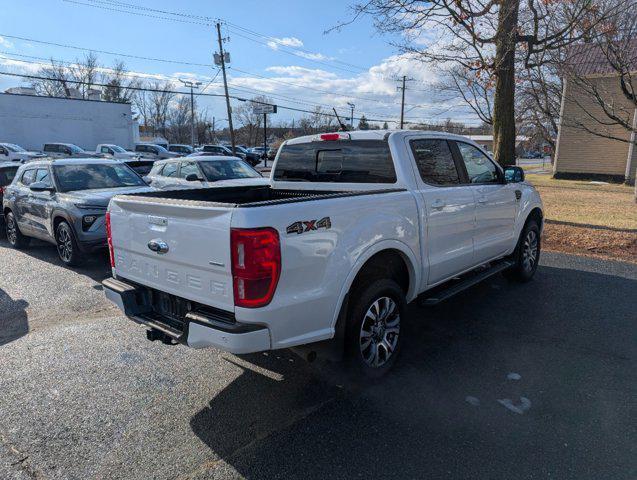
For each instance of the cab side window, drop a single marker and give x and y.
(28, 177)
(480, 168)
(42, 175)
(188, 168)
(435, 162)
(106, 150)
(3, 151)
(140, 148)
(170, 170)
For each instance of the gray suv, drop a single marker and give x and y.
(64, 202)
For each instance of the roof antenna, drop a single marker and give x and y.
(343, 127)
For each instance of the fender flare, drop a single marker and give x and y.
(410, 260)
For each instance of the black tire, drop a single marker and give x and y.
(13, 233)
(526, 255)
(372, 333)
(67, 246)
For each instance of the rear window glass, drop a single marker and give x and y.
(7, 175)
(342, 161)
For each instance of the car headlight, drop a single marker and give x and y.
(88, 221)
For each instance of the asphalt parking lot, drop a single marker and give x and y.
(505, 381)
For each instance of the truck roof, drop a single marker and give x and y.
(377, 135)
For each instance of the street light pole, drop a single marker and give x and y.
(192, 85)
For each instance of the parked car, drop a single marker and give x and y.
(7, 172)
(181, 149)
(141, 166)
(352, 227)
(203, 171)
(66, 150)
(115, 151)
(223, 150)
(64, 202)
(10, 152)
(250, 157)
(271, 153)
(153, 152)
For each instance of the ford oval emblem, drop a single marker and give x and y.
(158, 246)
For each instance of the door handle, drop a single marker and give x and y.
(482, 200)
(438, 204)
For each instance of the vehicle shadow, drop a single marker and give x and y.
(504, 381)
(13, 318)
(95, 267)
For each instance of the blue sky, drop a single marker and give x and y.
(277, 47)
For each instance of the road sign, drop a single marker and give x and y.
(260, 109)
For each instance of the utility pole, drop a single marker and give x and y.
(225, 86)
(351, 118)
(402, 103)
(192, 85)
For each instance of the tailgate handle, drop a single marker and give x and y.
(158, 245)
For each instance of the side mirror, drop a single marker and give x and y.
(41, 187)
(192, 177)
(513, 174)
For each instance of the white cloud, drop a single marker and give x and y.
(314, 56)
(373, 91)
(285, 42)
(4, 43)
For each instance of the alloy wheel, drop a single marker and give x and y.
(65, 244)
(379, 332)
(12, 233)
(529, 251)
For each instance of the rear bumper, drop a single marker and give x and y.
(197, 329)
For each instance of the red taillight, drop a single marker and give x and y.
(330, 136)
(256, 265)
(1, 190)
(109, 239)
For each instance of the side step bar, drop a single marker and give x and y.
(439, 295)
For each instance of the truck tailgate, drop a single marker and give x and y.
(175, 248)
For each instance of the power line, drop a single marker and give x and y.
(208, 21)
(252, 90)
(157, 90)
(69, 64)
(106, 52)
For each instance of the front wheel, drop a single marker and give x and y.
(373, 335)
(527, 254)
(67, 246)
(14, 236)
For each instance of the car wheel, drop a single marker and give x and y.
(67, 246)
(14, 236)
(373, 336)
(527, 254)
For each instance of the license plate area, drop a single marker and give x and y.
(169, 306)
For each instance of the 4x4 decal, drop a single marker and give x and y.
(307, 225)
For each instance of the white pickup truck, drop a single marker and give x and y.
(351, 228)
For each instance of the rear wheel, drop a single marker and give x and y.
(67, 246)
(527, 254)
(373, 336)
(14, 236)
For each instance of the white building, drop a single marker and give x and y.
(31, 121)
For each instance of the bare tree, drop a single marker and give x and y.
(119, 86)
(54, 81)
(484, 36)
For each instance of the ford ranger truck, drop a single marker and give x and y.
(351, 227)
